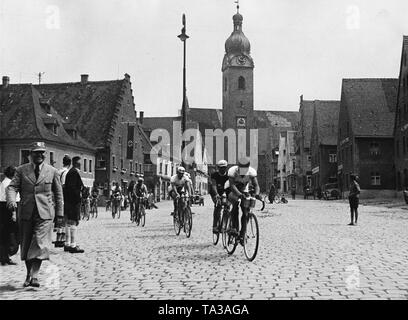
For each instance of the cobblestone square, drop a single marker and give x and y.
(307, 251)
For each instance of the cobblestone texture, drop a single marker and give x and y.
(307, 251)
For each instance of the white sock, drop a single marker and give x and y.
(73, 234)
(68, 236)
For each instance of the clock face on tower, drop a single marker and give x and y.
(241, 122)
(241, 60)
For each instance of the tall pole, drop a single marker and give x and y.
(183, 37)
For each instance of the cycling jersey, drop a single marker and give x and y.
(179, 183)
(220, 180)
(242, 177)
(140, 190)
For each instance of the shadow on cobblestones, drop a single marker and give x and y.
(190, 246)
(9, 287)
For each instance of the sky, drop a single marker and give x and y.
(298, 46)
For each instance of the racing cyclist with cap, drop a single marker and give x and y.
(178, 183)
(218, 180)
(139, 191)
(240, 179)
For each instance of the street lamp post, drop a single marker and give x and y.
(183, 37)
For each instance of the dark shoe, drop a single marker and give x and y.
(59, 244)
(215, 230)
(34, 283)
(3, 263)
(351, 224)
(77, 249)
(172, 214)
(67, 248)
(234, 232)
(27, 282)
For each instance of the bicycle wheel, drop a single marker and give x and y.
(96, 211)
(143, 216)
(224, 227)
(251, 239)
(216, 236)
(230, 239)
(176, 223)
(188, 222)
(119, 209)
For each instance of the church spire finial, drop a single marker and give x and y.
(237, 2)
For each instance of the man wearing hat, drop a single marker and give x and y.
(38, 183)
(354, 199)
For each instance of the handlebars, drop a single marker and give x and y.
(251, 200)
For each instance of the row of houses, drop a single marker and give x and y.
(365, 132)
(93, 119)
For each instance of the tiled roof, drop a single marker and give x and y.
(327, 120)
(23, 117)
(306, 118)
(265, 119)
(371, 105)
(90, 106)
(207, 118)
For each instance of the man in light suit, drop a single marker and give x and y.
(38, 183)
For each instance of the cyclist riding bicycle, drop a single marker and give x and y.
(139, 190)
(116, 192)
(179, 182)
(218, 180)
(240, 177)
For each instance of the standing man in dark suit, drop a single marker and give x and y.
(72, 205)
(38, 183)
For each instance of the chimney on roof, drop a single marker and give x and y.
(141, 115)
(6, 81)
(84, 78)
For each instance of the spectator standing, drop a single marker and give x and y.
(8, 219)
(354, 196)
(37, 183)
(72, 205)
(61, 231)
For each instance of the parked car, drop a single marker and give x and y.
(308, 192)
(198, 199)
(331, 191)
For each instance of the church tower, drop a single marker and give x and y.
(237, 79)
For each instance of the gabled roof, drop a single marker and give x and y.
(326, 114)
(371, 105)
(23, 117)
(207, 118)
(91, 106)
(266, 118)
(305, 122)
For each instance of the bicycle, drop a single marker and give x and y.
(116, 208)
(132, 209)
(85, 208)
(250, 242)
(183, 217)
(223, 205)
(94, 207)
(141, 212)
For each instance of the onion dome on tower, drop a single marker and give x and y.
(237, 45)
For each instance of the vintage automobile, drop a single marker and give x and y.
(308, 192)
(331, 191)
(198, 199)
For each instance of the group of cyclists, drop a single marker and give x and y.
(235, 183)
(89, 202)
(136, 192)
